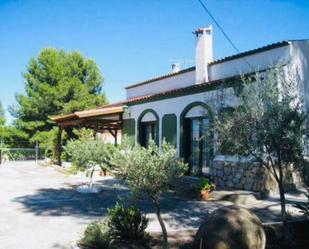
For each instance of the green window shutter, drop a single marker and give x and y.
(169, 129)
(129, 129)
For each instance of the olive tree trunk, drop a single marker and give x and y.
(282, 202)
(164, 232)
(279, 176)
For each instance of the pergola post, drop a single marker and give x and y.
(116, 135)
(59, 145)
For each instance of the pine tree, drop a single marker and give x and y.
(56, 82)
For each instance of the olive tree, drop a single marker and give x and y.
(268, 124)
(89, 153)
(151, 171)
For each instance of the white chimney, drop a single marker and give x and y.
(175, 67)
(203, 53)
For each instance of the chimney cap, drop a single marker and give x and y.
(207, 30)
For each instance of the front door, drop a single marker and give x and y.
(147, 133)
(197, 140)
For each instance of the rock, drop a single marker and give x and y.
(231, 227)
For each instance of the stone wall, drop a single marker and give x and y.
(233, 173)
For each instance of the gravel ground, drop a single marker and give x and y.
(39, 207)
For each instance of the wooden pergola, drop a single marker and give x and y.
(106, 118)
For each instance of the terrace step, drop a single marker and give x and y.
(238, 197)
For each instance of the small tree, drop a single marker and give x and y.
(150, 171)
(268, 125)
(87, 154)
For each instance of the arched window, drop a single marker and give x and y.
(148, 127)
(195, 137)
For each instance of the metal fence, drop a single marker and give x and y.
(20, 153)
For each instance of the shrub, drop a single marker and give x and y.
(73, 169)
(126, 223)
(96, 236)
(206, 185)
(75, 149)
(151, 171)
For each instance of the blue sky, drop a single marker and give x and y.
(135, 40)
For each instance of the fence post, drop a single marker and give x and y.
(36, 152)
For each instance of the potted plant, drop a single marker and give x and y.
(206, 188)
(104, 170)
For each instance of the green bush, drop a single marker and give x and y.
(76, 150)
(73, 170)
(126, 223)
(96, 236)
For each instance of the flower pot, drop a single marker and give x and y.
(103, 173)
(205, 194)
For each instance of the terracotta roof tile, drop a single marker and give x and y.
(178, 90)
(106, 110)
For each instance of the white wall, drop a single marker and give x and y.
(296, 56)
(149, 117)
(176, 106)
(300, 66)
(259, 61)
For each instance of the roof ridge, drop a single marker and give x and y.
(162, 77)
(251, 51)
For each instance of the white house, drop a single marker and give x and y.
(179, 106)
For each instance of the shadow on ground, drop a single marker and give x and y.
(179, 213)
(58, 246)
(68, 202)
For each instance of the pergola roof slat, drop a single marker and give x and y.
(100, 117)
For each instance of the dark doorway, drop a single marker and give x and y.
(196, 147)
(147, 132)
